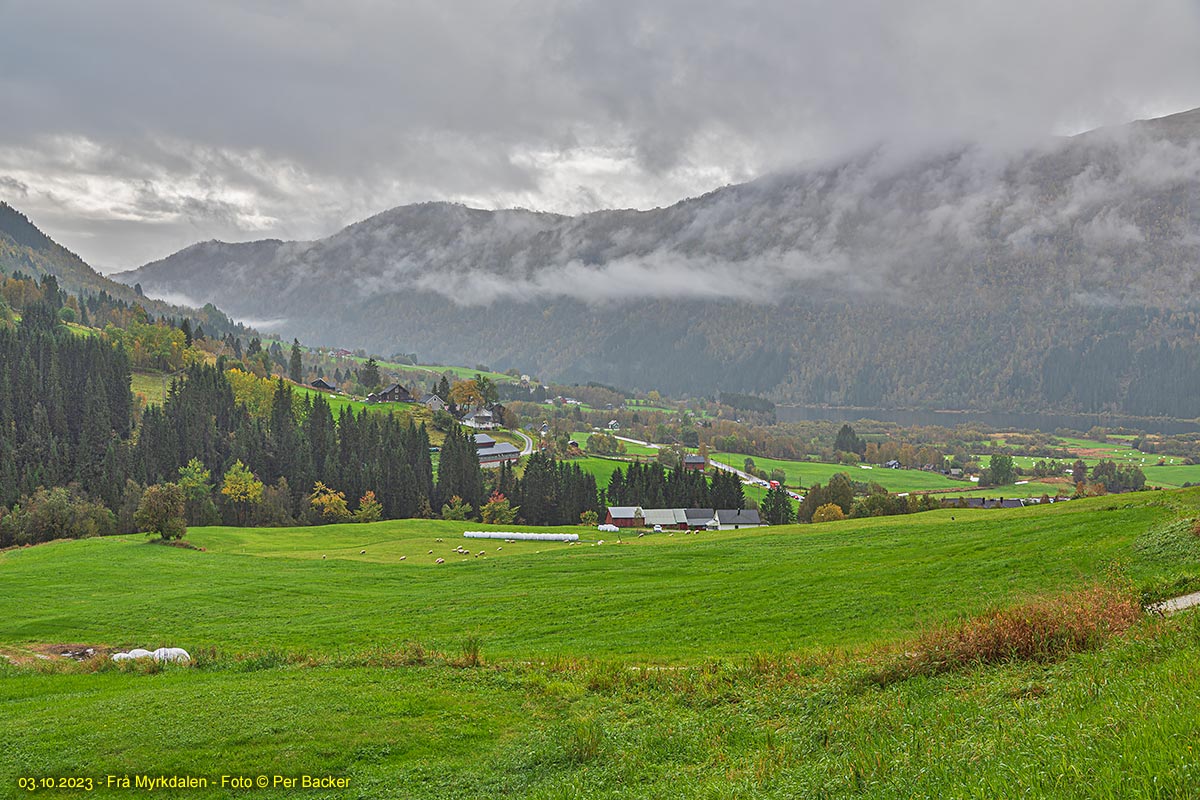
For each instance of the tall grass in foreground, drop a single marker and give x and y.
(1042, 630)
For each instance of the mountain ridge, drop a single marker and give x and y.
(1075, 240)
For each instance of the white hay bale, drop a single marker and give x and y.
(175, 655)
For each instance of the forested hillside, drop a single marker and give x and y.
(1062, 276)
(26, 250)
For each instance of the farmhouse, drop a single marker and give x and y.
(323, 385)
(483, 440)
(434, 403)
(392, 394)
(480, 420)
(731, 520)
(613, 425)
(694, 463)
(700, 518)
(626, 516)
(668, 518)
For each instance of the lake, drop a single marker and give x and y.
(994, 420)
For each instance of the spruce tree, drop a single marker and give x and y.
(296, 364)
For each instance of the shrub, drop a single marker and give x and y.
(830, 512)
(498, 510)
(456, 509)
(58, 513)
(369, 509)
(161, 511)
(327, 504)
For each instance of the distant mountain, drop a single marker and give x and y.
(27, 250)
(1062, 277)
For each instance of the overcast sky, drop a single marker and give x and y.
(134, 129)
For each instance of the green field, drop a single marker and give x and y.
(1169, 476)
(602, 468)
(806, 473)
(727, 664)
(461, 373)
(150, 385)
(630, 448)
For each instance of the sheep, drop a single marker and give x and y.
(322, 558)
(430, 552)
(440, 560)
(403, 557)
(362, 552)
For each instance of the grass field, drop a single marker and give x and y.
(1172, 475)
(460, 373)
(149, 385)
(545, 683)
(656, 598)
(806, 473)
(630, 448)
(602, 468)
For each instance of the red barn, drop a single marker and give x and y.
(626, 516)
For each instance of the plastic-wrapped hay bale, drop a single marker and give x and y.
(175, 655)
(523, 537)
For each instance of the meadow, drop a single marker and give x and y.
(722, 664)
(631, 448)
(805, 473)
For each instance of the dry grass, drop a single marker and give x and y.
(1043, 630)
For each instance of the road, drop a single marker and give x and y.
(528, 443)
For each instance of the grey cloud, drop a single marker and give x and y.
(140, 127)
(12, 186)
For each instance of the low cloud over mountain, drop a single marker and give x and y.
(1103, 220)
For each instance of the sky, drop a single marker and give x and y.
(132, 130)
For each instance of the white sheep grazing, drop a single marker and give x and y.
(440, 560)
(362, 552)
(481, 552)
(403, 557)
(322, 558)
(430, 552)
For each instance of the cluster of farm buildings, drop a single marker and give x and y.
(683, 519)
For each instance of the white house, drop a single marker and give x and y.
(730, 520)
(480, 420)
